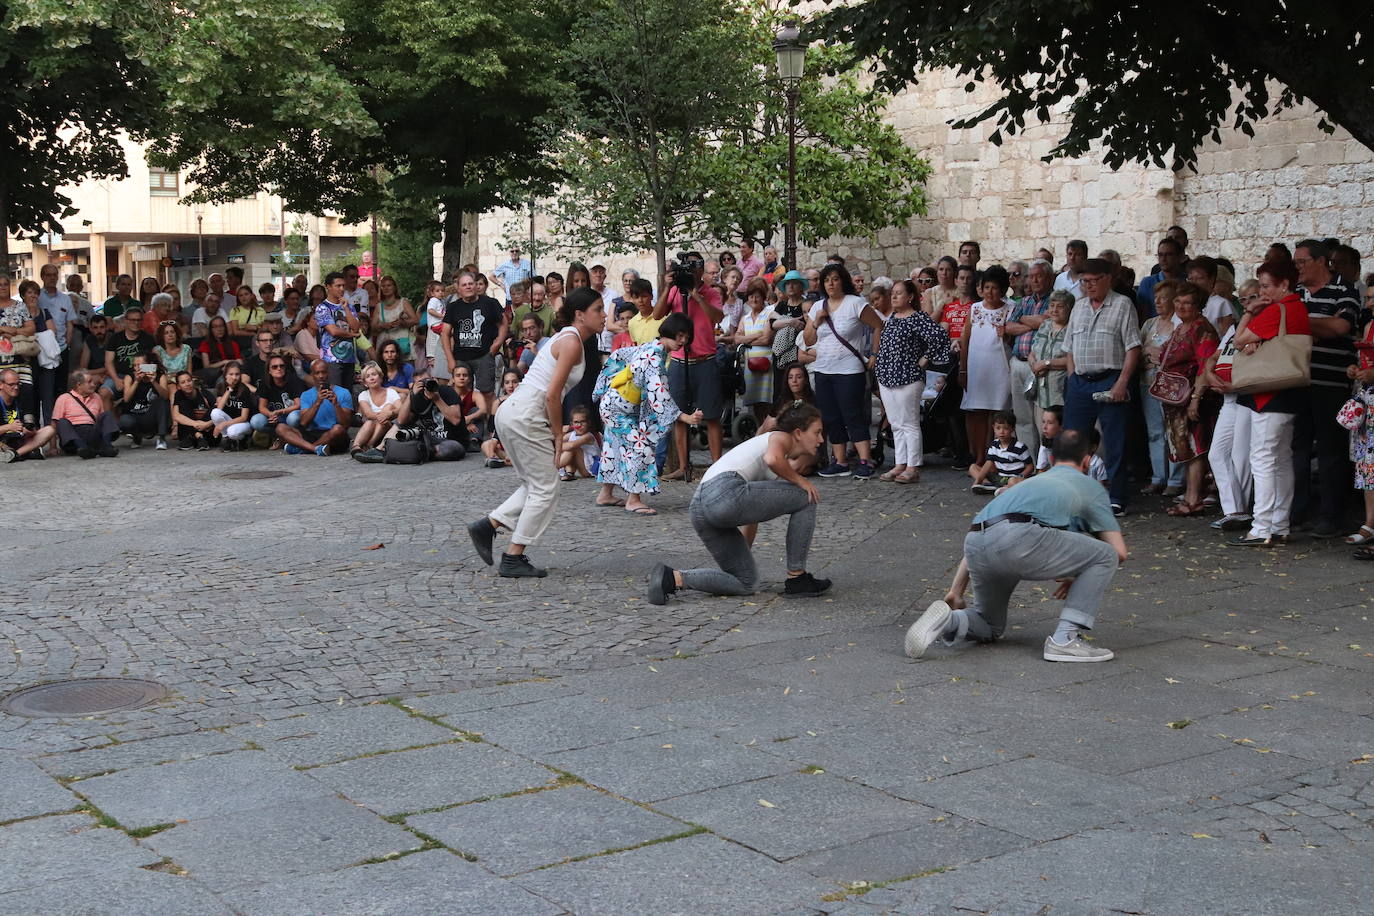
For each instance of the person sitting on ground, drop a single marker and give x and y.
(171, 354)
(380, 406)
(1057, 525)
(1007, 461)
(124, 348)
(191, 409)
(474, 414)
(17, 441)
(80, 421)
(1051, 422)
(235, 399)
(753, 482)
(326, 414)
(492, 449)
(144, 410)
(279, 398)
(580, 453)
(436, 411)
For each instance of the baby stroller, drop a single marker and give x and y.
(936, 412)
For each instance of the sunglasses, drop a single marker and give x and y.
(169, 323)
(1016, 273)
(926, 280)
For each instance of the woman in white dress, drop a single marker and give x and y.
(984, 373)
(530, 426)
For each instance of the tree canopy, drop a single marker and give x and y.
(1151, 82)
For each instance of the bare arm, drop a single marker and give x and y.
(1327, 328)
(1117, 541)
(776, 459)
(567, 353)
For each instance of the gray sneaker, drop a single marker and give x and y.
(1076, 651)
(929, 627)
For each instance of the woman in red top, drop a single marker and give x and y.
(1188, 427)
(1273, 413)
(217, 349)
(1362, 436)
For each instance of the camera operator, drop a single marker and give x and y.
(434, 408)
(693, 377)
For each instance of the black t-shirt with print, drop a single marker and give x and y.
(474, 326)
(239, 399)
(195, 406)
(126, 351)
(145, 395)
(429, 417)
(288, 396)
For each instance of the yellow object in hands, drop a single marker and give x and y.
(623, 383)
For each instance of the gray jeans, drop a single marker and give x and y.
(727, 501)
(1006, 554)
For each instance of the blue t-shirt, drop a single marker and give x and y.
(325, 417)
(403, 378)
(1062, 497)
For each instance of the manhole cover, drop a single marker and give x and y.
(82, 697)
(254, 475)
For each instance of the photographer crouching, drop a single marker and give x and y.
(693, 378)
(433, 426)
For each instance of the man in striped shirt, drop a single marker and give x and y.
(1333, 309)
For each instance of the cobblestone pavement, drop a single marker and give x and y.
(396, 730)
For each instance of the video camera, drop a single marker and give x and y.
(682, 273)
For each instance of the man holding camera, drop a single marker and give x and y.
(693, 378)
(326, 413)
(433, 408)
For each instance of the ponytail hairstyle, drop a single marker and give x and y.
(577, 300)
(797, 418)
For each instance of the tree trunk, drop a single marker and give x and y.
(453, 239)
(660, 240)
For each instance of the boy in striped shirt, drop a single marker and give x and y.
(1007, 459)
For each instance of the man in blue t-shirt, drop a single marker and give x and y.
(326, 413)
(1057, 525)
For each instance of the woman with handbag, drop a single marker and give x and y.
(1280, 317)
(1190, 407)
(17, 350)
(1358, 417)
(835, 327)
(637, 413)
(755, 331)
(1229, 454)
(909, 341)
(1154, 334)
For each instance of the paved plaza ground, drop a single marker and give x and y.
(398, 731)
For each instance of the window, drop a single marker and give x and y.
(162, 183)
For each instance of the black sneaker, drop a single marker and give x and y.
(518, 566)
(483, 533)
(805, 586)
(495, 463)
(185, 446)
(662, 583)
(1118, 510)
(1246, 540)
(369, 456)
(86, 452)
(107, 451)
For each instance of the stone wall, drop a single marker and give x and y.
(1289, 181)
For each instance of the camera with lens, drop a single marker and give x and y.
(431, 385)
(682, 273)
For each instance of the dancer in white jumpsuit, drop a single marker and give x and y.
(530, 424)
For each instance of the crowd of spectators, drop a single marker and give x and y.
(973, 361)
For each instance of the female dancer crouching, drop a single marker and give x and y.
(530, 424)
(752, 483)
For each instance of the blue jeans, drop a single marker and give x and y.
(259, 421)
(1082, 413)
(1162, 470)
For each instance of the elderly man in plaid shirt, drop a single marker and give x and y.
(1103, 347)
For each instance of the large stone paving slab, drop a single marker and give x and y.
(139, 753)
(344, 733)
(510, 835)
(118, 894)
(562, 724)
(47, 850)
(942, 842)
(1297, 728)
(426, 882)
(505, 695)
(254, 847)
(786, 816)
(25, 791)
(432, 777)
(194, 789)
(660, 766)
(700, 874)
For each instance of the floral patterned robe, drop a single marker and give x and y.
(632, 431)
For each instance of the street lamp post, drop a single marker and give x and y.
(200, 238)
(791, 61)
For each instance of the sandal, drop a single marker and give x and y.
(890, 475)
(1364, 536)
(911, 476)
(643, 510)
(1186, 510)
(1364, 553)
(613, 504)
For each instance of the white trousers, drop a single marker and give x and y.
(523, 425)
(1271, 464)
(1027, 414)
(1229, 457)
(236, 431)
(903, 406)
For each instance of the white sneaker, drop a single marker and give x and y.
(1076, 651)
(161, 444)
(927, 628)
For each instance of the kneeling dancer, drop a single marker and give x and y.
(752, 483)
(1032, 532)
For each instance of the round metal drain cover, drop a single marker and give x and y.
(88, 696)
(254, 475)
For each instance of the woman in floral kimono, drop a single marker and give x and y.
(636, 412)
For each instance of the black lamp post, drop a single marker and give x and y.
(791, 61)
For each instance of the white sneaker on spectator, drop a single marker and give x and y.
(1076, 651)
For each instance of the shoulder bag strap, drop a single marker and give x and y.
(825, 316)
(82, 404)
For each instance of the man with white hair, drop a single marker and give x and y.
(1016, 272)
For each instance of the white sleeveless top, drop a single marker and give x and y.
(540, 374)
(746, 460)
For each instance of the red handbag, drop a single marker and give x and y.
(759, 364)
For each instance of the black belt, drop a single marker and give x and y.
(1096, 376)
(1014, 518)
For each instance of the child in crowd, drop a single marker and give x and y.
(492, 449)
(1007, 460)
(581, 451)
(1051, 422)
(1097, 468)
(623, 313)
